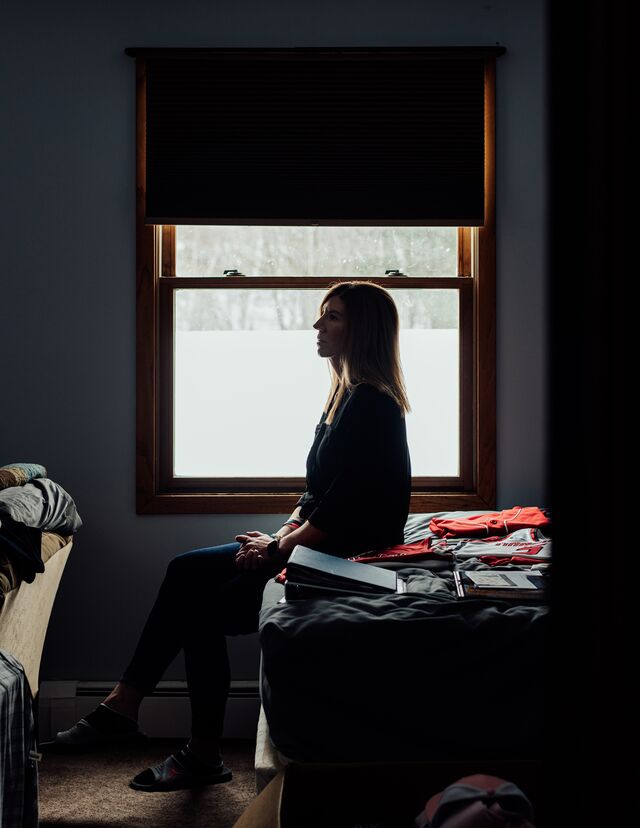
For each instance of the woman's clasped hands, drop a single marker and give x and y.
(253, 550)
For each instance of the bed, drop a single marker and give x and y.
(419, 676)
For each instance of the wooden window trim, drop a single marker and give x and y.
(155, 255)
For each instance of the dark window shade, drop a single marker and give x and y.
(371, 140)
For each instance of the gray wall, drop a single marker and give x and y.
(68, 297)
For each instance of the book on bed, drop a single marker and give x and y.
(312, 574)
(495, 583)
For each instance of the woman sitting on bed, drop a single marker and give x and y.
(356, 499)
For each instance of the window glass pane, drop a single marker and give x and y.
(316, 251)
(250, 388)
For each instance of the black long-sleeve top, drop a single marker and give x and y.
(359, 474)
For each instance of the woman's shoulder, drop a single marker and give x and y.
(366, 395)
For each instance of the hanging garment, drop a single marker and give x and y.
(18, 766)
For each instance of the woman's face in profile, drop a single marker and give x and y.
(332, 328)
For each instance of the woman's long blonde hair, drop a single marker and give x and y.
(372, 346)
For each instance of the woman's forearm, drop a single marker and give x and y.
(306, 535)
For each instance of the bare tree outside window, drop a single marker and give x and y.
(345, 252)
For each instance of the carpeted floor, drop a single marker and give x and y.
(92, 791)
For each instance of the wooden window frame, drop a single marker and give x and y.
(157, 492)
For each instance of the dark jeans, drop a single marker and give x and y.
(203, 598)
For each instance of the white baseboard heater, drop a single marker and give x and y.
(166, 714)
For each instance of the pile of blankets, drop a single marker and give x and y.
(30, 504)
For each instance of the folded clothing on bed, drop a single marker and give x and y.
(454, 535)
(491, 524)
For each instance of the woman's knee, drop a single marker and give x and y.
(178, 565)
(202, 561)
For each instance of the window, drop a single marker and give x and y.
(225, 312)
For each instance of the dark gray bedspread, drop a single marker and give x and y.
(414, 676)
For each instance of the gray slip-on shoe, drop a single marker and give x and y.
(177, 773)
(83, 736)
